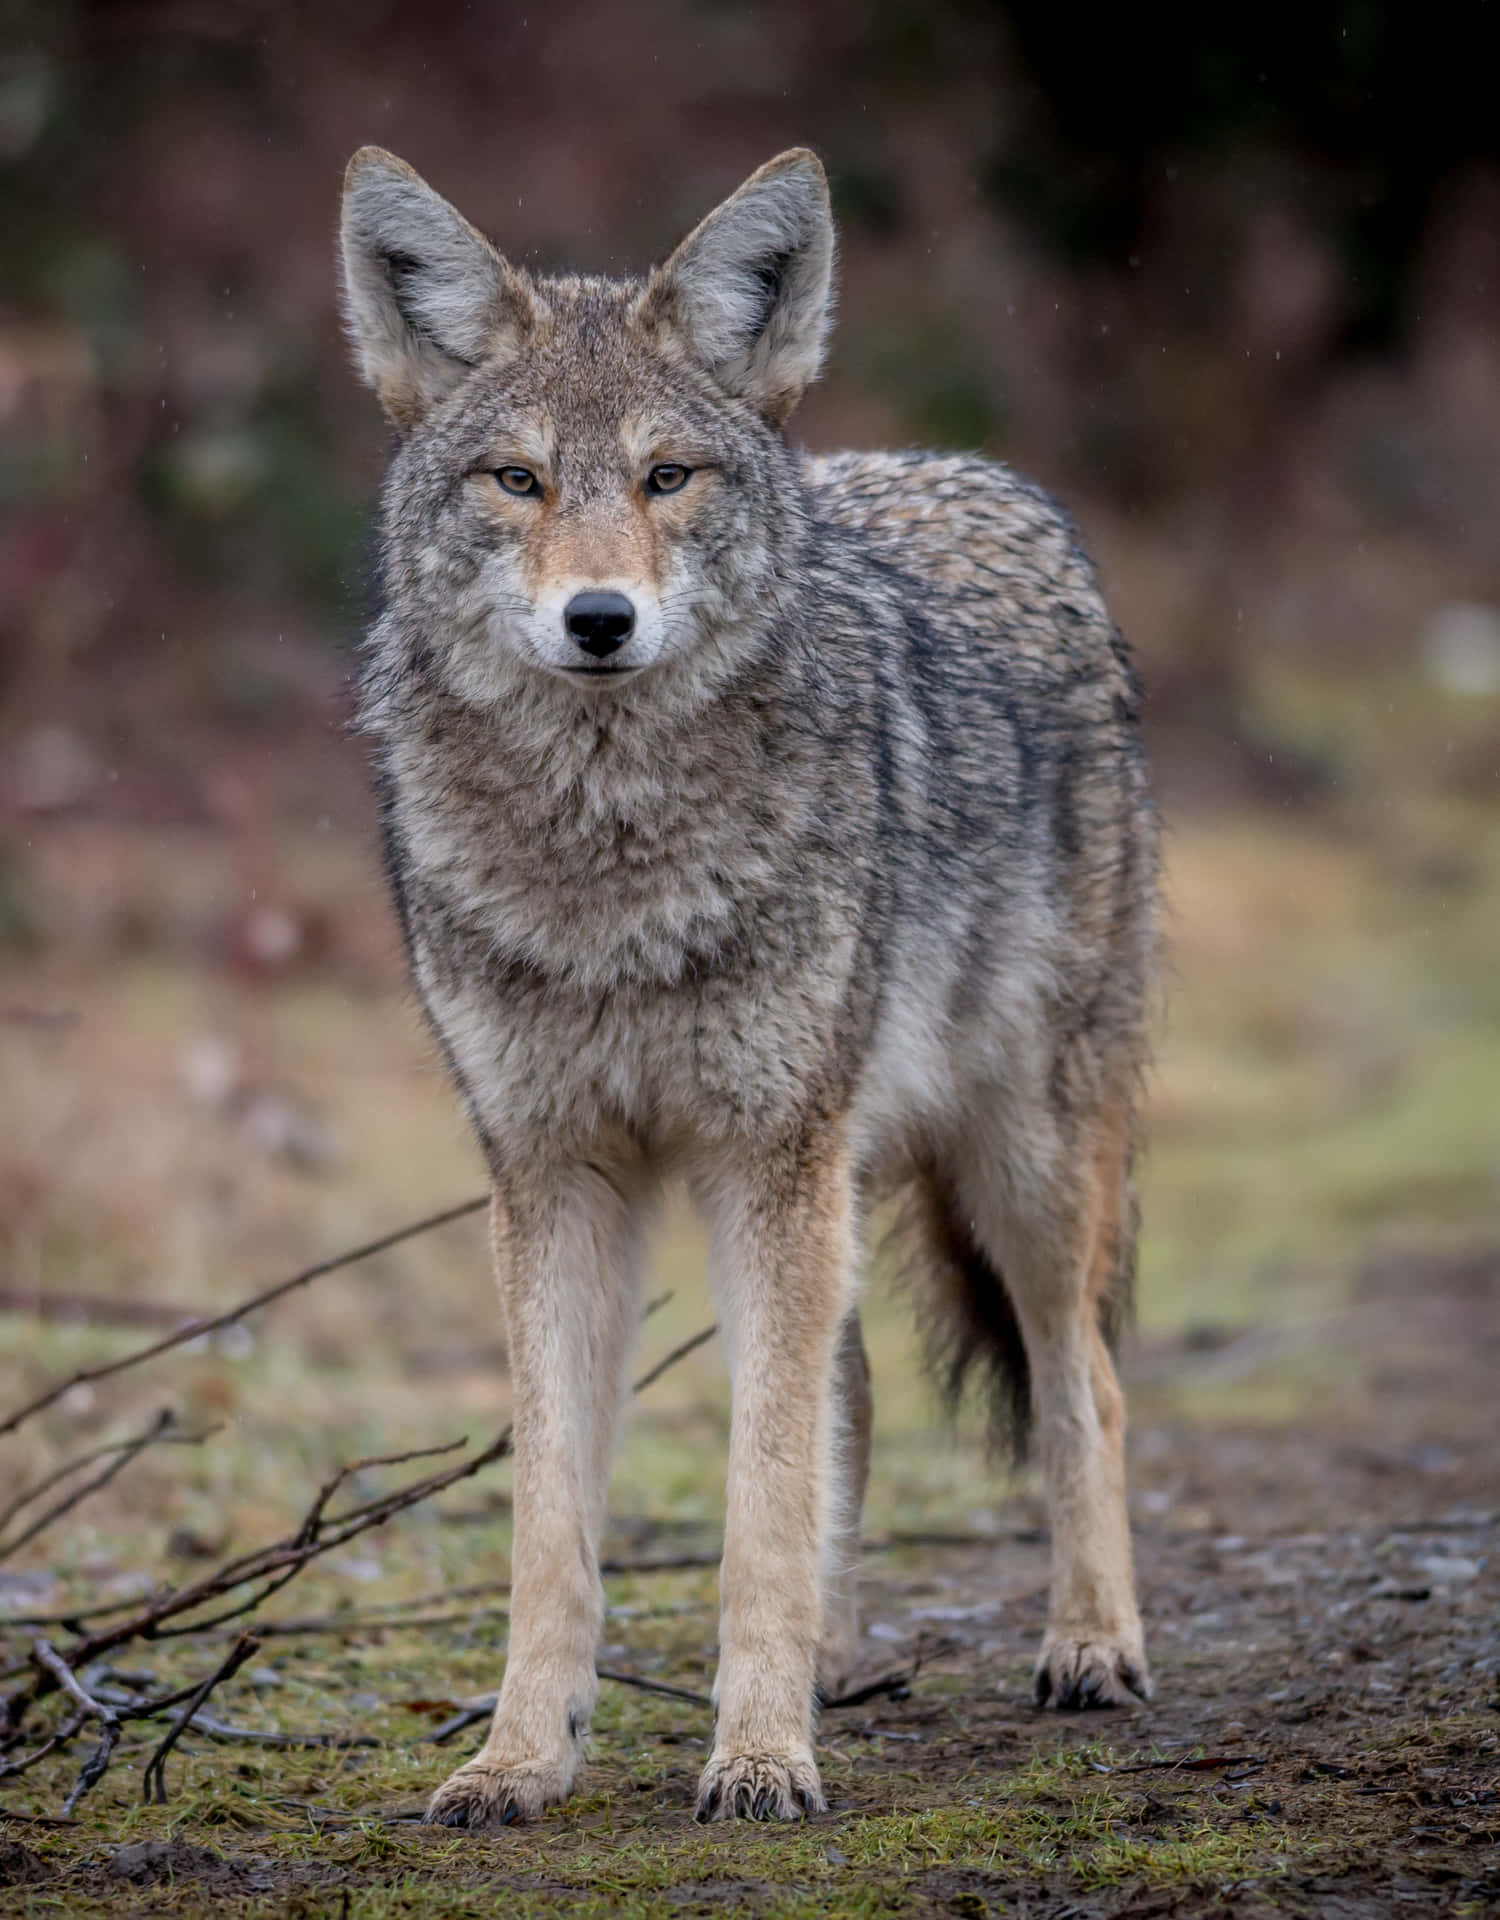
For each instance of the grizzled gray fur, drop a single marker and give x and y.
(779, 823)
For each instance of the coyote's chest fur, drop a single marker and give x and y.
(602, 927)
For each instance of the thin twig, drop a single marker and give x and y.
(47, 1656)
(465, 1717)
(156, 1432)
(673, 1563)
(154, 1785)
(483, 1705)
(1207, 1763)
(653, 1686)
(217, 1729)
(897, 1685)
(653, 1374)
(75, 1618)
(60, 1738)
(267, 1569)
(196, 1329)
(314, 1516)
(125, 1452)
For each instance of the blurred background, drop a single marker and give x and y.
(1231, 288)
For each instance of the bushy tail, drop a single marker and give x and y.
(968, 1317)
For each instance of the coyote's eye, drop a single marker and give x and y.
(518, 480)
(669, 477)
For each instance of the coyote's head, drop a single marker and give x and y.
(591, 478)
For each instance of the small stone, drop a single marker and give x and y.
(1448, 1568)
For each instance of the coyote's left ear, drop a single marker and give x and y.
(750, 289)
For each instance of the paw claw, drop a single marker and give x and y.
(759, 1786)
(480, 1795)
(1082, 1674)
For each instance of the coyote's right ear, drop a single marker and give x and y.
(426, 296)
(750, 291)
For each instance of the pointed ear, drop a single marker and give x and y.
(750, 291)
(426, 297)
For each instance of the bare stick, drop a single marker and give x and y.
(196, 1329)
(640, 1681)
(158, 1431)
(314, 1517)
(59, 1739)
(653, 1374)
(216, 1729)
(372, 1617)
(269, 1568)
(898, 1684)
(483, 1705)
(125, 1452)
(154, 1786)
(47, 1656)
(265, 1570)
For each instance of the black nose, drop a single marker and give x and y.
(599, 622)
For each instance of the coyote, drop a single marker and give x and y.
(781, 823)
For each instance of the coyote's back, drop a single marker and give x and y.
(783, 824)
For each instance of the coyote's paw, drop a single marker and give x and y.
(487, 1793)
(1090, 1673)
(760, 1786)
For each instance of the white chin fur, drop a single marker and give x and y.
(543, 639)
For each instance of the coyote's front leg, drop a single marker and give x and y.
(567, 1262)
(783, 1258)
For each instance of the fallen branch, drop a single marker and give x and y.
(154, 1785)
(265, 1570)
(643, 1685)
(196, 1329)
(690, 1345)
(124, 1451)
(48, 1658)
(1247, 1763)
(215, 1729)
(896, 1685)
(483, 1704)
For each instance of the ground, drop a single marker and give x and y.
(1313, 1454)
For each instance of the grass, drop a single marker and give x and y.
(614, 1853)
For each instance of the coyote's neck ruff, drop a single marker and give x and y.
(779, 822)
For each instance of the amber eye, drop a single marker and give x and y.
(669, 477)
(518, 480)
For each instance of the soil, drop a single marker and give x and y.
(1322, 1599)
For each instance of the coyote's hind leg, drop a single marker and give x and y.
(1057, 1228)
